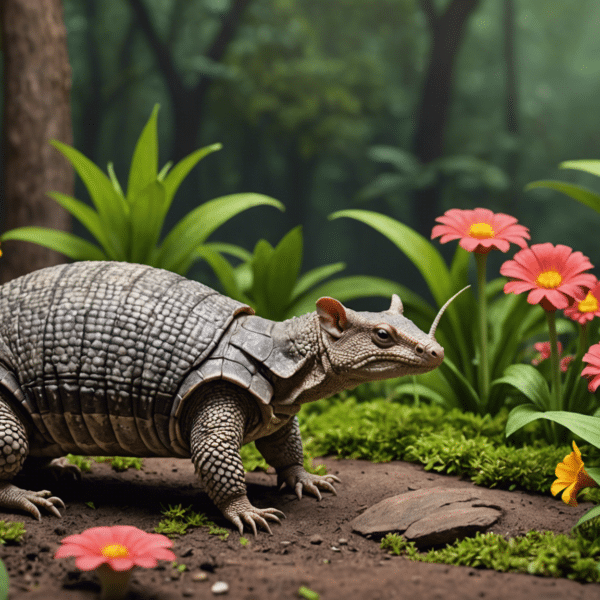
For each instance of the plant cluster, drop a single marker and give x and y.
(537, 553)
(177, 520)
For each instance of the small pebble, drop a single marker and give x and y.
(201, 576)
(187, 593)
(286, 543)
(219, 588)
(343, 542)
(335, 549)
(316, 539)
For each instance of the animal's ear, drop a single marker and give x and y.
(332, 316)
(396, 307)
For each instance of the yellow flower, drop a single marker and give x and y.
(572, 477)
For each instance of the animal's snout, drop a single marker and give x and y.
(431, 352)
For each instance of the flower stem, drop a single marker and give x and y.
(484, 368)
(114, 584)
(555, 393)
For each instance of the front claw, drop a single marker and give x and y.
(13, 497)
(297, 478)
(239, 511)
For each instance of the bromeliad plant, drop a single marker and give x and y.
(128, 226)
(270, 281)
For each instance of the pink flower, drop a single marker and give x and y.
(121, 547)
(592, 371)
(588, 308)
(544, 349)
(480, 230)
(544, 353)
(554, 274)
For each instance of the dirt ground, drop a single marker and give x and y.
(340, 566)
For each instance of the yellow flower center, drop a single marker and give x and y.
(589, 304)
(549, 279)
(481, 231)
(114, 551)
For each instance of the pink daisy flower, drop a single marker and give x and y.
(553, 275)
(113, 552)
(544, 354)
(480, 230)
(592, 371)
(120, 546)
(588, 308)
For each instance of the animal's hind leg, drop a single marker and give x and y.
(14, 448)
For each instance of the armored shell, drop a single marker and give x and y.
(96, 353)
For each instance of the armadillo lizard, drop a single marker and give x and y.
(107, 358)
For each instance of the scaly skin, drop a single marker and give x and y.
(222, 415)
(14, 447)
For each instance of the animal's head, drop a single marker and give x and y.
(367, 346)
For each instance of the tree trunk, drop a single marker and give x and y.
(511, 99)
(37, 84)
(447, 32)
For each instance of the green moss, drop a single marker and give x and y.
(177, 520)
(537, 553)
(83, 462)
(118, 463)
(11, 532)
(452, 442)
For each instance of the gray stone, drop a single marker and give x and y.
(429, 516)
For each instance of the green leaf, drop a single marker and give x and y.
(314, 276)
(110, 206)
(421, 253)
(68, 244)
(584, 426)
(145, 222)
(231, 249)
(282, 272)
(86, 216)
(469, 398)
(224, 271)
(529, 381)
(163, 172)
(594, 473)
(260, 269)
(179, 172)
(577, 192)
(589, 166)
(113, 177)
(4, 582)
(590, 514)
(144, 164)
(196, 226)
(422, 391)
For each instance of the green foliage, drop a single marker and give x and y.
(581, 194)
(127, 227)
(462, 172)
(4, 582)
(511, 321)
(122, 463)
(11, 532)
(307, 593)
(83, 462)
(536, 553)
(177, 520)
(269, 280)
(446, 441)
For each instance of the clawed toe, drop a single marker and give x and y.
(13, 497)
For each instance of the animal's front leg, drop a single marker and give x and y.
(283, 450)
(14, 447)
(219, 419)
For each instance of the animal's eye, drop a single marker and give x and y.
(382, 337)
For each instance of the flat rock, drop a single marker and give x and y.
(430, 516)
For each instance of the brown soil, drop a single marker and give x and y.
(275, 567)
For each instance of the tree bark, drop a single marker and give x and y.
(447, 31)
(37, 84)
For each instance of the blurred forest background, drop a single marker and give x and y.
(407, 107)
